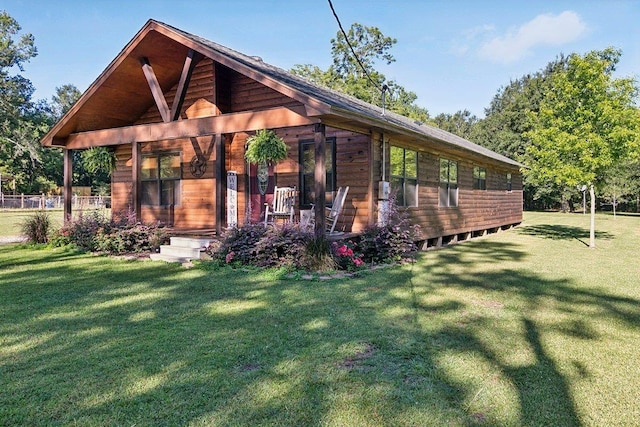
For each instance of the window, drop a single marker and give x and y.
(404, 176)
(479, 178)
(161, 174)
(508, 181)
(307, 165)
(448, 183)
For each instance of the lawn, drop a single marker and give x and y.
(11, 220)
(525, 327)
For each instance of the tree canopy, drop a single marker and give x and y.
(586, 124)
(360, 78)
(587, 121)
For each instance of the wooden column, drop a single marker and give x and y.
(320, 177)
(68, 183)
(136, 188)
(220, 184)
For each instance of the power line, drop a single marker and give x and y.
(353, 51)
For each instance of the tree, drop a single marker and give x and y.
(507, 121)
(63, 100)
(587, 122)
(22, 121)
(460, 123)
(360, 79)
(621, 183)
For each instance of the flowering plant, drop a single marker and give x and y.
(345, 256)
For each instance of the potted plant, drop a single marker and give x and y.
(265, 149)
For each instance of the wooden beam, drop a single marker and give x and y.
(320, 177)
(226, 123)
(156, 90)
(136, 188)
(68, 183)
(190, 63)
(220, 175)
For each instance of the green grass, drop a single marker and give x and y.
(12, 219)
(526, 327)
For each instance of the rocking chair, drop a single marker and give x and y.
(335, 210)
(282, 205)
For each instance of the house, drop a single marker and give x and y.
(178, 109)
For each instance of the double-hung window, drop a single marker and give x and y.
(448, 183)
(404, 176)
(509, 181)
(307, 171)
(479, 178)
(160, 175)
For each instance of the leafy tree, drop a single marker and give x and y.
(63, 100)
(587, 121)
(507, 121)
(360, 79)
(460, 123)
(621, 183)
(22, 121)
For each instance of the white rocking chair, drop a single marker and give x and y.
(282, 205)
(335, 210)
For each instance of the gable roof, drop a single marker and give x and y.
(119, 103)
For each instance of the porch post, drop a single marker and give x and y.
(67, 180)
(320, 177)
(220, 144)
(136, 187)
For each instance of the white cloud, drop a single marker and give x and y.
(547, 29)
(463, 44)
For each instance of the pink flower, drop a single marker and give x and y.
(358, 262)
(229, 257)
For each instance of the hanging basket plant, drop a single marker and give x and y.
(265, 147)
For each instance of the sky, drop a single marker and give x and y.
(454, 54)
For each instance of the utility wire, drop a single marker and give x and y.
(353, 51)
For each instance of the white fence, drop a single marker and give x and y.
(24, 201)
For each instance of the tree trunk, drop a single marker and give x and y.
(592, 228)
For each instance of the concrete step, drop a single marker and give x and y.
(180, 251)
(190, 242)
(167, 258)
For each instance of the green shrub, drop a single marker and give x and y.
(257, 245)
(37, 227)
(95, 232)
(134, 238)
(82, 231)
(391, 241)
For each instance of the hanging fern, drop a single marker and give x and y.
(265, 147)
(99, 159)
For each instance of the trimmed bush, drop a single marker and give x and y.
(257, 245)
(94, 232)
(393, 240)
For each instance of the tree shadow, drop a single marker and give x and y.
(168, 346)
(561, 232)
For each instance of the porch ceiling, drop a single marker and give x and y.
(121, 94)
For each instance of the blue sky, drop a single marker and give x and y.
(454, 54)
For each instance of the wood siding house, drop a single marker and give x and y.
(178, 109)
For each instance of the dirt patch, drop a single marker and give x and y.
(354, 361)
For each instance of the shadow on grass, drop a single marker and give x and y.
(563, 232)
(94, 341)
